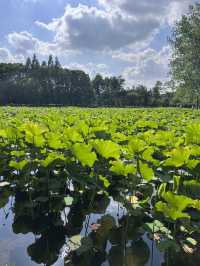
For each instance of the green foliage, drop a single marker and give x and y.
(149, 158)
(119, 168)
(107, 149)
(84, 154)
(146, 171)
(185, 59)
(174, 206)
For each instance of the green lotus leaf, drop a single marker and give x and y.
(120, 168)
(107, 149)
(136, 145)
(18, 165)
(146, 171)
(84, 154)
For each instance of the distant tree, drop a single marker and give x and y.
(98, 87)
(50, 83)
(50, 62)
(156, 94)
(35, 65)
(28, 64)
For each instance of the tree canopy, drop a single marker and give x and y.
(185, 63)
(48, 83)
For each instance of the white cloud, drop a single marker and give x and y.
(122, 30)
(92, 28)
(24, 43)
(90, 68)
(168, 10)
(114, 24)
(7, 57)
(149, 66)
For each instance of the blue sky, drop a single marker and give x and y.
(111, 37)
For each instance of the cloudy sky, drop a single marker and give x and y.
(111, 37)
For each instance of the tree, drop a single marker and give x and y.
(156, 97)
(35, 63)
(50, 83)
(185, 61)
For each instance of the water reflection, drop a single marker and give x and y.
(41, 230)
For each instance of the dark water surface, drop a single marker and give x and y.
(39, 237)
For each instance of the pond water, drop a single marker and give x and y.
(43, 235)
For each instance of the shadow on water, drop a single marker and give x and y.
(41, 230)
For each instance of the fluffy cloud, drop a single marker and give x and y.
(92, 28)
(24, 43)
(167, 10)
(7, 57)
(120, 31)
(148, 67)
(114, 24)
(90, 68)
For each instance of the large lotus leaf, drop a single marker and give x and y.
(18, 165)
(3, 133)
(33, 129)
(170, 212)
(84, 154)
(51, 158)
(146, 171)
(192, 164)
(107, 149)
(83, 128)
(71, 134)
(178, 157)
(175, 205)
(119, 137)
(179, 202)
(34, 133)
(120, 168)
(136, 145)
(193, 133)
(54, 140)
(163, 138)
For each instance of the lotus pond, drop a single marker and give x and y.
(107, 187)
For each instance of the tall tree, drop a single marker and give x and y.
(156, 97)
(185, 61)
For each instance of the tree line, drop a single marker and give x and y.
(35, 83)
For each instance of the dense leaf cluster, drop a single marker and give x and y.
(150, 157)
